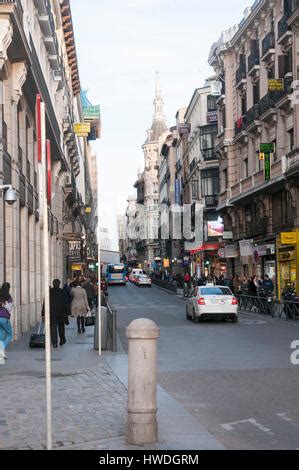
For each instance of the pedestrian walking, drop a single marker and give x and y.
(59, 313)
(68, 289)
(237, 284)
(90, 291)
(187, 283)
(79, 306)
(6, 331)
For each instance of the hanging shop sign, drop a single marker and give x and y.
(227, 235)
(166, 263)
(184, 128)
(91, 113)
(267, 167)
(221, 253)
(267, 148)
(216, 88)
(215, 228)
(275, 84)
(87, 210)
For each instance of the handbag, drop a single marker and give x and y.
(38, 340)
(90, 320)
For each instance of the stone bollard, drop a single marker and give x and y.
(142, 427)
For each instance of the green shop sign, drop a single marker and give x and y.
(267, 166)
(267, 148)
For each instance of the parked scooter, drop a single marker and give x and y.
(291, 304)
(266, 297)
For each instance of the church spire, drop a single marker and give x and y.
(158, 101)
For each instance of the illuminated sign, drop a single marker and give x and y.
(82, 128)
(288, 238)
(275, 84)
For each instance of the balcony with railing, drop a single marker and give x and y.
(241, 77)
(293, 12)
(284, 31)
(22, 190)
(30, 199)
(268, 47)
(240, 128)
(253, 63)
(253, 118)
(209, 155)
(211, 201)
(258, 226)
(7, 172)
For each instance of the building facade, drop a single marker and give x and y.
(257, 62)
(38, 57)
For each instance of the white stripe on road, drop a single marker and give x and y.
(254, 422)
(160, 307)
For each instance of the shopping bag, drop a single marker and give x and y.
(38, 340)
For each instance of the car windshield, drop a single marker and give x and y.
(215, 291)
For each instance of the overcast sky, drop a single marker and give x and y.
(120, 45)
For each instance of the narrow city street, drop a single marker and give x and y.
(235, 379)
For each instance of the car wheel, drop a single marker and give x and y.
(235, 320)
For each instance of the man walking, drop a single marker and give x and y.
(59, 313)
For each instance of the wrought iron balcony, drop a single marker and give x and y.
(22, 190)
(253, 114)
(293, 7)
(30, 199)
(256, 227)
(211, 201)
(6, 168)
(268, 45)
(209, 154)
(284, 30)
(241, 75)
(253, 62)
(240, 125)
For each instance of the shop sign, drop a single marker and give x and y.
(184, 128)
(216, 88)
(92, 113)
(288, 238)
(262, 250)
(215, 228)
(75, 252)
(267, 148)
(275, 84)
(82, 128)
(166, 263)
(76, 267)
(231, 251)
(267, 166)
(221, 253)
(212, 117)
(246, 248)
(227, 235)
(87, 210)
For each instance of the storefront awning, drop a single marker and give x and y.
(206, 247)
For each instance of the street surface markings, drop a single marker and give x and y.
(254, 422)
(285, 417)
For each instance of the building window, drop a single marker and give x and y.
(211, 103)
(245, 168)
(210, 183)
(224, 179)
(195, 190)
(208, 136)
(244, 105)
(291, 141)
(256, 92)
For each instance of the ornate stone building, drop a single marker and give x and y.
(38, 56)
(149, 249)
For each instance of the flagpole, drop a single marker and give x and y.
(99, 260)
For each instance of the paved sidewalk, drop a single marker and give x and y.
(89, 401)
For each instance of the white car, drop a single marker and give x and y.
(212, 302)
(144, 281)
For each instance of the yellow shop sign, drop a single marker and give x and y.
(82, 128)
(288, 238)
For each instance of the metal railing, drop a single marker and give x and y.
(253, 114)
(253, 60)
(30, 199)
(283, 26)
(274, 308)
(22, 190)
(165, 285)
(241, 74)
(268, 43)
(7, 171)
